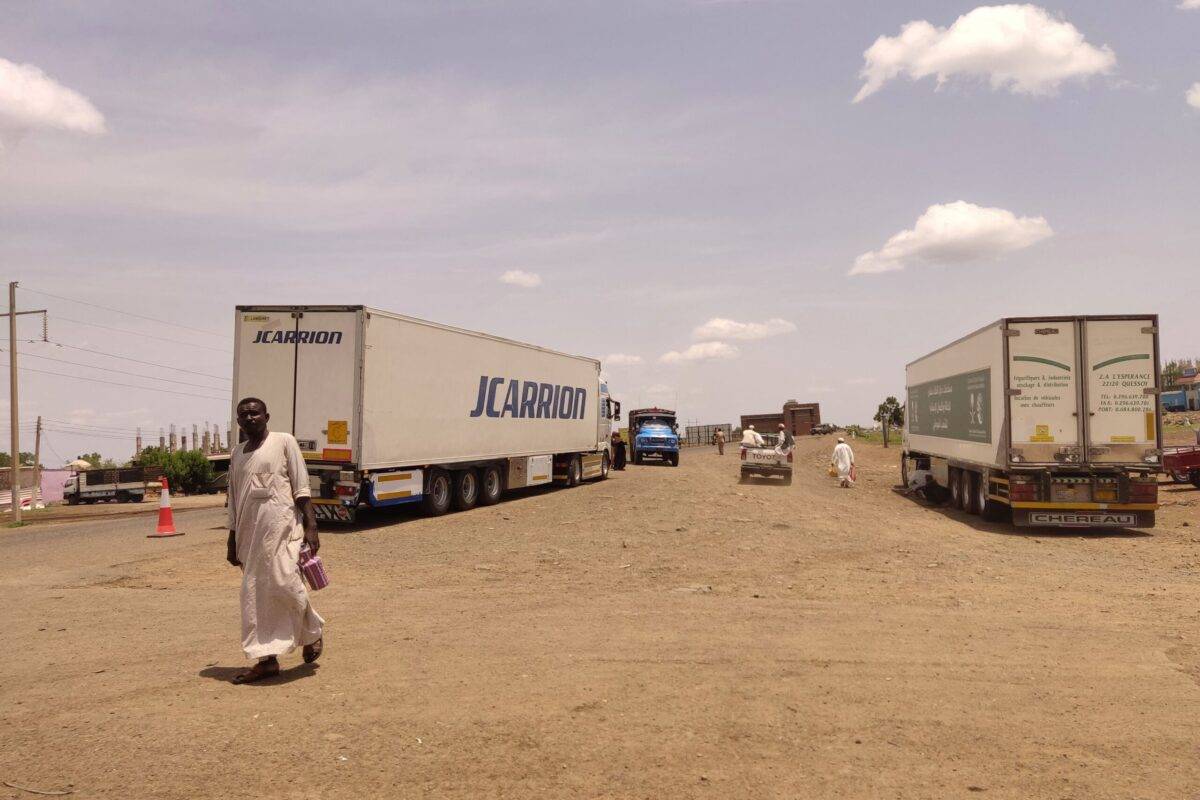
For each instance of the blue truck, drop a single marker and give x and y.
(653, 433)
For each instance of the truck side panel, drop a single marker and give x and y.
(434, 395)
(955, 405)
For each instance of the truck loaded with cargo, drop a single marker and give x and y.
(653, 433)
(121, 484)
(1052, 420)
(390, 410)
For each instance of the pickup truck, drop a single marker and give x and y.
(766, 461)
(1182, 464)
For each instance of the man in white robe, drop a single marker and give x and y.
(270, 517)
(751, 437)
(843, 462)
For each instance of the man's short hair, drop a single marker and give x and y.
(246, 400)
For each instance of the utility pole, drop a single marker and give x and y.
(14, 415)
(37, 465)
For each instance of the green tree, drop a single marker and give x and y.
(95, 459)
(190, 471)
(26, 460)
(890, 414)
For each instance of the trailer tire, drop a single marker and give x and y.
(1179, 476)
(437, 493)
(955, 480)
(491, 485)
(466, 489)
(976, 484)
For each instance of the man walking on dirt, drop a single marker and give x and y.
(618, 448)
(719, 436)
(270, 516)
(843, 462)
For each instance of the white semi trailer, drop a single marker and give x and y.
(1052, 420)
(391, 410)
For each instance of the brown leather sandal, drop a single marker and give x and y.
(313, 651)
(260, 671)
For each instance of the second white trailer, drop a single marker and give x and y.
(390, 409)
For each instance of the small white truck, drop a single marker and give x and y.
(767, 461)
(1051, 421)
(391, 410)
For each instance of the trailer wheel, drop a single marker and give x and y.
(466, 490)
(956, 488)
(574, 471)
(491, 485)
(437, 493)
(977, 496)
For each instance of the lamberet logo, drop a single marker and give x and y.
(298, 337)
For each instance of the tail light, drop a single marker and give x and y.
(1143, 492)
(346, 491)
(743, 451)
(1022, 490)
(789, 456)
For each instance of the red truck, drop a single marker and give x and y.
(1182, 464)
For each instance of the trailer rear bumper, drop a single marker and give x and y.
(1088, 515)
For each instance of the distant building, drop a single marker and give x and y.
(1184, 395)
(799, 418)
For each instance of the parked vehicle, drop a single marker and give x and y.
(1183, 464)
(823, 428)
(653, 433)
(391, 410)
(766, 461)
(122, 485)
(1054, 420)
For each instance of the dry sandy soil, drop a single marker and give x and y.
(667, 633)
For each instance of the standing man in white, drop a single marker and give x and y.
(270, 516)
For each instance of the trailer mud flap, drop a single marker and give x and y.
(1083, 519)
(333, 511)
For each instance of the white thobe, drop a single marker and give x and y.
(752, 438)
(843, 460)
(263, 486)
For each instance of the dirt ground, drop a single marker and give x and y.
(667, 633)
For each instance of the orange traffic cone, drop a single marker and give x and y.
(166, 520)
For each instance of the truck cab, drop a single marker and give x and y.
(653, 433)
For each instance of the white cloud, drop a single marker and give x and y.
(1019, 47)
(704, 351)
(1193, 94)
(621, 360)
(29, 98)
(519, 277)
(954, 233)
(1189, 4)
(718, 328)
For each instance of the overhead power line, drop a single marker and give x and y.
(138, 361)
(143, 334)
(112, 369)
(126, 385)
(127, 313)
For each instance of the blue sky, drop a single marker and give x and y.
(656, 164)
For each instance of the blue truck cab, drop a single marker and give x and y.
(653, 433)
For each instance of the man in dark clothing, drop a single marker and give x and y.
(618, 447)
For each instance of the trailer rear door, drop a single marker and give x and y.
(327, 384)
(265, 363)
(1043, 383)
(1122, 381)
